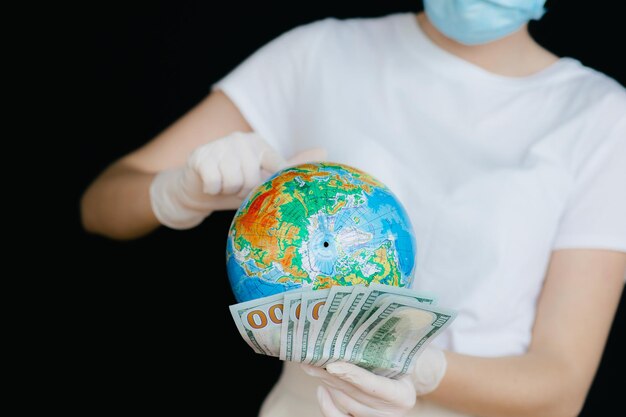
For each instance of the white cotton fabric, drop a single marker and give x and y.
(495, 172)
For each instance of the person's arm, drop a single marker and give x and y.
(574, 315)
(117, 203)
(575, 312)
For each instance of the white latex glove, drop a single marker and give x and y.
(217, 176)
(348, 390)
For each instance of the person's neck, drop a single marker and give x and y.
(516, 55)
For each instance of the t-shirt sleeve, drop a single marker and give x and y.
(595, 216)
(265, 87)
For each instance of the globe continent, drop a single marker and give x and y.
(318, 225)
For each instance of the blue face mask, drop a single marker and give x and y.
(473, 22)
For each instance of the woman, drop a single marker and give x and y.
(510, 160)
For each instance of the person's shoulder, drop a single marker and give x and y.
(367, 24)
(350, 27)
(600, 107)
(592, 84)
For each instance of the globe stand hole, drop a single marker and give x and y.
(326, 244)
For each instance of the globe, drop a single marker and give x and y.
(317, 225)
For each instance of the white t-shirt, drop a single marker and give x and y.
(495, 172)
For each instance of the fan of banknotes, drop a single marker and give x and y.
(378, 327)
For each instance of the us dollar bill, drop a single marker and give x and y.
(390, 340)
(311, 307)
(361, 311)
(337, 300)
(259, 322)
(291, 317)
(379, 327)
(385, 292)
(327, 348)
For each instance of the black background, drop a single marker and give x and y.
(157, 307)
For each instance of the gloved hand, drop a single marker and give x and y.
(217, 176)
(348, 390)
